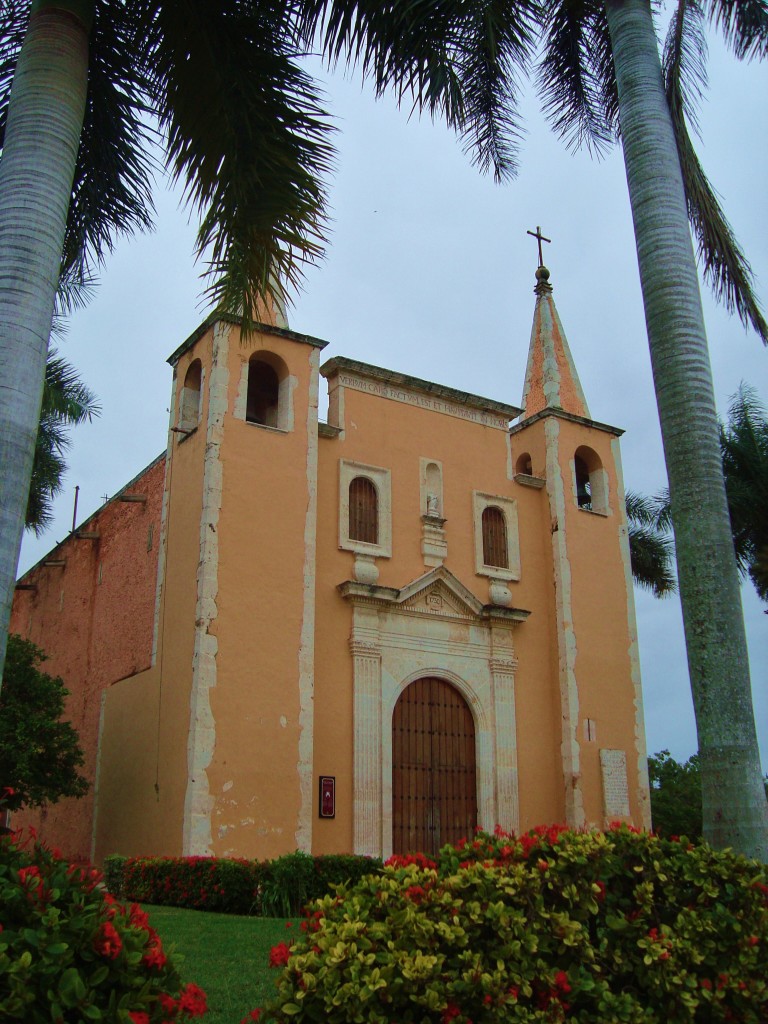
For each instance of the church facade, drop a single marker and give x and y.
(367, 635)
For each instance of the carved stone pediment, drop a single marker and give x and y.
(437, 593)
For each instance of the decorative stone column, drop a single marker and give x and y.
(366, 658)
(503, 688)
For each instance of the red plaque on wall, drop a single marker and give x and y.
(327, 796)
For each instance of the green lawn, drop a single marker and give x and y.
(224, 954)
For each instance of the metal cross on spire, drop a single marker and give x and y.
(540, 238)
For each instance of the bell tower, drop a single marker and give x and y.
(602, 743)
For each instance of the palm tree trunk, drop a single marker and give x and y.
(734, 804)
(45, 119)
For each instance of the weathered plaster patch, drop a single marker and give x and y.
(566, 636)
(283, 721)
(198, 802)
(96, 774)
(307, 643)
(227, 786)
(163, 522)
(643, 788)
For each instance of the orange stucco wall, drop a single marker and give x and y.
(218, 745)
(94, 618)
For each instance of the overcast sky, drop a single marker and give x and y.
(430, 272)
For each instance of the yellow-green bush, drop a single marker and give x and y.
(552, 926)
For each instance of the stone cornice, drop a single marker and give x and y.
(561, 414)
(258, 328)
(394, 382)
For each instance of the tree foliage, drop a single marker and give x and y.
(675, 795)
(744, 444)
(67, 401)
(651, 550)
(39, 754)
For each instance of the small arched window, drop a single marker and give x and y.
(363, 511)
(189, 406)
(262, 403)
(495, 538)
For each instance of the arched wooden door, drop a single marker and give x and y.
(434, 795)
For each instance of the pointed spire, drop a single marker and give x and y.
(551, 381)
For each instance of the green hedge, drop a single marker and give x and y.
(278, 888)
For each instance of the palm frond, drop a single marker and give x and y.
(498, 40)
(66, 399)
(66, 402)
(248, 138)
(456, 60)
(744, 24)
(651, 556)
(651, 548)
(744, 447)
(724, 265)
(575, 73)
(14, 15)
(111, 192)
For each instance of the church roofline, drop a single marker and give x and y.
(261, 328)
(83, 527)
(563, 415)
(403, 380)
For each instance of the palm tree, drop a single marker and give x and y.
(602, 79)
(242, 128)
(66, 402)
(744, 444)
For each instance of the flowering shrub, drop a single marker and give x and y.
(279, 887)
(71, 952)
(201, 883)
(552, 926)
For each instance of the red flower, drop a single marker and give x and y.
(600, 896)
(449, 1013)
(193, 1001)
(168, 1004)
(252, 1016)
(154, 956)
(107, 942)
(706, 983)
(279, 955)
(139, 1017)
(561, 981)
(488, 999)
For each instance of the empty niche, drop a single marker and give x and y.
(523, 466)
(189, 404)
(590, 480)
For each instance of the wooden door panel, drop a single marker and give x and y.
(434, 798)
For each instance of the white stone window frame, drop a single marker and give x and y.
(508, 507)
(382, 480)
